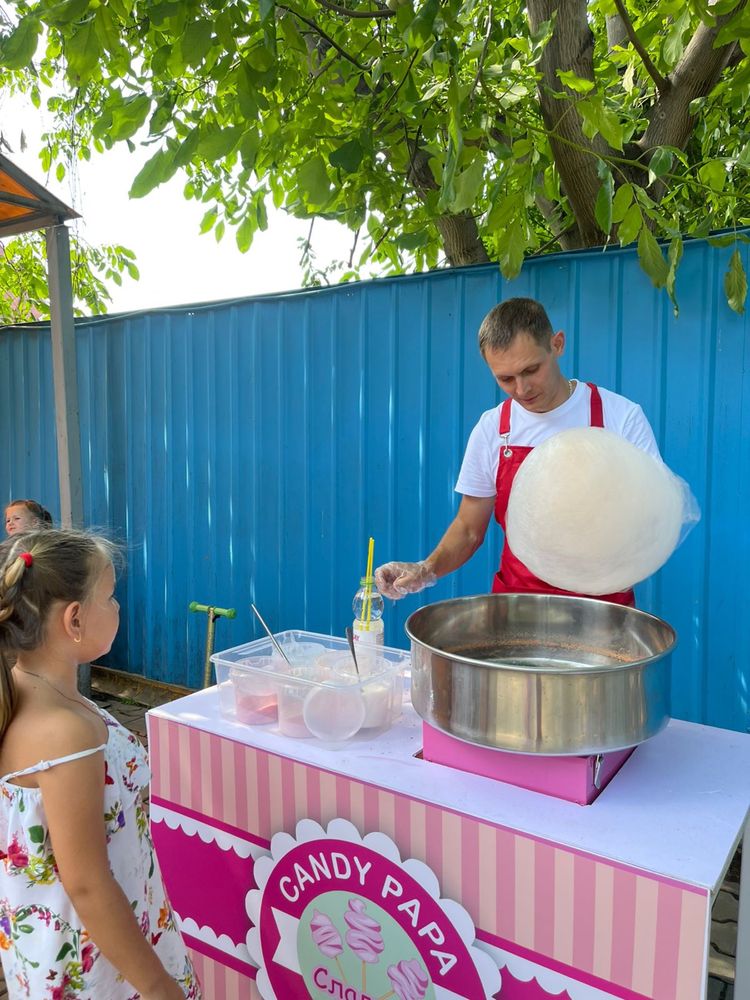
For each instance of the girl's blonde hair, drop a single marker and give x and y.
(37, 569)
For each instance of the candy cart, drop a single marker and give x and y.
(311, 850)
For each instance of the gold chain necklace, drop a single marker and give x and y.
(76, 701)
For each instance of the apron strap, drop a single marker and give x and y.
(597, 410)
(505, 417)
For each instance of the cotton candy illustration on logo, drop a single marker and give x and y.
(409, 980)
(363, 937)
(327, 939)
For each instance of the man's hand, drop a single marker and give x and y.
(395, 579)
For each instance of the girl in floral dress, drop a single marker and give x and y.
(83, 912)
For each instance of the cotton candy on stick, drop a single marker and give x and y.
(591, 513)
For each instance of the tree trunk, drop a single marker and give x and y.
(459, 233)
(461, 240)
(570, 48)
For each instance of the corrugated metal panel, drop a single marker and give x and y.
(246, 450)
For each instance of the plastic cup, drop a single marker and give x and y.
(378, 698)
(255, 694)
(292, 695)
(333, 714)
(301, 655)
(336, 661)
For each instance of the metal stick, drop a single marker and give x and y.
(350, 640)
(270, 635)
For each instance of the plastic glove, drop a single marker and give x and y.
(394, 579)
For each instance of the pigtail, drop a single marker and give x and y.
(13, 623)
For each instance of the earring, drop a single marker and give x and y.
(77, 638)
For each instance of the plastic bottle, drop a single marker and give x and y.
(368, 628)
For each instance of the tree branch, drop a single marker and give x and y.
(662, 84)
(319, 31)
(696, 74)
(354, 247)
(482, 57)
(402, 81)
(365, 14)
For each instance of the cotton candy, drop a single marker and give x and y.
(592, 513)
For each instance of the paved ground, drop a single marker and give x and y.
(724, 918)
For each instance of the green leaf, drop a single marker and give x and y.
(673, 44)
(419, 32)
(598, 119)
(196, 41)
(504, 207)
(722, 241)
(267, 9)
(18, 48)
(652, 258)
(60, 14)
(577, 83)
(313, 182)
(108, 34)
(155, 171)
(188, 146)
(661, 162)
(245, 233)
(713, 174)
(511, 249)
(674, 256)
(735, 283)
(65, 950)
(82, 53)
(412, 241)
(622, 201)
(161, 12)
(347, 157)
(630, 225)
(246, 92)
(603, 205)
(36, 834)
(216, 143)
(743, 157)
(129, 116)
(467, 186)
(209, 219)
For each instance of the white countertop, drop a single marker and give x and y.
(677, 807)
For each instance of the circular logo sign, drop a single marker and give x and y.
(338, 915)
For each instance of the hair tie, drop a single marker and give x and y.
(27, 558)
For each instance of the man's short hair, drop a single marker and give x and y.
(509, 318)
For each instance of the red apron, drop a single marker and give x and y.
(513, 576)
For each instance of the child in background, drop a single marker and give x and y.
(83, 912)
(26, 515)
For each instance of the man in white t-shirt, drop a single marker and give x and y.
(522, 351)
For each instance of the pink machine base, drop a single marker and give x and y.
(577, 779)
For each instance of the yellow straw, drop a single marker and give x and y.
(368, 585)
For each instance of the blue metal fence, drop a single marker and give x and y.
(245, 451)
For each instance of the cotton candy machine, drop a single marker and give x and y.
(541, 674)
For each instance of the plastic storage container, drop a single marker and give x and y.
(321, 696)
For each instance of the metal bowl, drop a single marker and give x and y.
(541, 673)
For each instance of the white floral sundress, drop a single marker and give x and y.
(46, 952)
